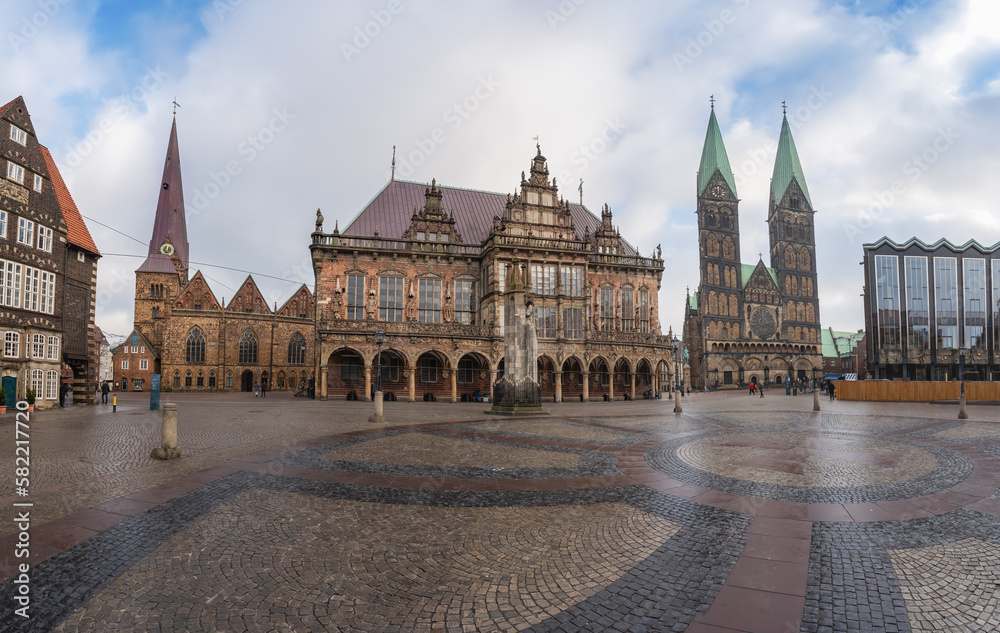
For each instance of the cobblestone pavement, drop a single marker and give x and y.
(284, 514)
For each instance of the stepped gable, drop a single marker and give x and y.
(197, 295)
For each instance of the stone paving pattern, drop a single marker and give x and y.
(741, 514)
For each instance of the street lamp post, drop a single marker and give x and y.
(378, 416)
(677, 400)
(962, 413)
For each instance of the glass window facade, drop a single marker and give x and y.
(429, 308)
(573, 323)
(607, 309)
(887, 300)
(974, 299)
(946, 304)
(918, 301)
(465, 302)
(390, 298)
(355, 297)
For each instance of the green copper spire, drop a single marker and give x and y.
(787, 166)
(713, 157)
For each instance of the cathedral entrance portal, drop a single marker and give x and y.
(246, 381)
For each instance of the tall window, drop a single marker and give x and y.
(3, 224)
(995, 302)
(429, 308)
(644, 311)
(545, 322)
(51, 384)
(887, 300)
(466, 370)
(248, 348)
(573, 323)
(196, 347)
(607, 309)
(31, 288)
(15, 172)
(390, 298)
(11, 284)
(572, 281)
(355, 297)
(297, 350)
(45, 239)
(391, 366)
(501, 276)
(53, 345)
(350, 368)
(38, 382)
(12, 344)
(465, 302)
(628, 311)
(974, 278)
(428, 369)
(543, 279)
(946, 291)
(918, 325)
(26, 231)
(47, 293)
(38, 346)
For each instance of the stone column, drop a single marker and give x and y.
(632, 377)
(411, 375)
(493, 380)
(368, 384)
(168, 434)
(558, 376)
(322, 381)
(586, 385)
(454, 386)
(611, 385)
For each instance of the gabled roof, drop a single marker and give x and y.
(4, 107)
(714, 158)
(248, 299)
(787, 166)
(169, 223)
(141, 340)
(748, 270)
(302, 293)
(76, 229)
(392, 208)
(198, 284)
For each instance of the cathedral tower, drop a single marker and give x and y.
(165, 270)
(719, 238)
(793, 242)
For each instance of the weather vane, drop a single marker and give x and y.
(784, 108)
(176, 105)
(711, 99)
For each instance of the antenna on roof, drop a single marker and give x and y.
(393, 178)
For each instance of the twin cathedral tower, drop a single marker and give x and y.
(753, 322)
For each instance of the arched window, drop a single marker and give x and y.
(248, 348)
(211, 379)
(297, 350)
(229, 380)
(177, 379)
(196, 347)
(201, 378)
(187, 378)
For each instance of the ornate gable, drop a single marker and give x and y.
(299, 305)
(432, 223)
(248, 299)
(761, 287)
(196, 295)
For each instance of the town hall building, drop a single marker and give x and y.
(753, 322)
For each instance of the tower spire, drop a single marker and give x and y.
(169, 243)
(787, 166)
(393, 177)
(714, 157)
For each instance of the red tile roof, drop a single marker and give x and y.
(4, 107)
(78, 234)
(393, 206)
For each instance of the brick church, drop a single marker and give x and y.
(195, 341)
(753, 322)
(427, 265)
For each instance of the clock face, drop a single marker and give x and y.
(718, 191)
(167, 249)
(762, 323)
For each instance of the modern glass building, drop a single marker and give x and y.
(928, 304)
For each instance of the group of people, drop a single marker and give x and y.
(260, 388)
(824, 385)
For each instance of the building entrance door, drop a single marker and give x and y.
(247, 380)
(10, 388)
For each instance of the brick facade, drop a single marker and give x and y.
(434, 282)
(50, 262)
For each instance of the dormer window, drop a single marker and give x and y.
(19, 135)
(443, 237)
(432, 237)
(421, 236)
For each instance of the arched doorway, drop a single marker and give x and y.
(572, 380)
(345, 376)
(643, 379)
(623, 378)
(546, 377)
(431, 383)
(473, 378)
(600, 379)
(246, 380)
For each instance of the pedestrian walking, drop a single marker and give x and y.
(256, 389)
(263, 388)
(830, 388)
(105, 389)
(760, 388)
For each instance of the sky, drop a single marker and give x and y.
(286, 107)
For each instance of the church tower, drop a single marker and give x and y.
(165, 270)
(793, 243)
(720, 292)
